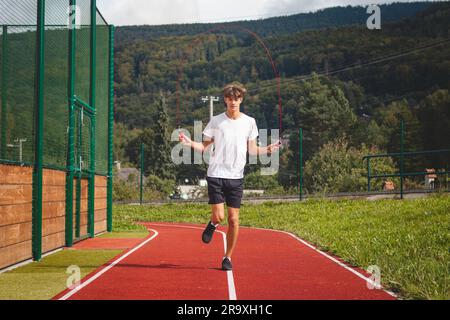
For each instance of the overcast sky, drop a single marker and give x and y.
(154, 12)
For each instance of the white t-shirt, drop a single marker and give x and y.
(230, 145)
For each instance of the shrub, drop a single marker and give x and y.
(164, 186)
(337, 167)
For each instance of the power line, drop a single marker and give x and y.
(356, 65)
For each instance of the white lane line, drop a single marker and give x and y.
(97, 275)
(230, 277)
(374, 284)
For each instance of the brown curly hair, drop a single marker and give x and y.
(234, 90)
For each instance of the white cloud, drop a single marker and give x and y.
(137, 12)
(154, 12)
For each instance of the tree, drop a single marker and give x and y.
(434, 115)
(162, 166)
(390, 118)
(323, 112)
(133, 150)
(337, 167)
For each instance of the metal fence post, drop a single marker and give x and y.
(4, 89)
(402, 142)
(368, 174)
(300, 160)
(142, 173)
(70, 142)
(110, 128)
(39, 120)
(93, 65)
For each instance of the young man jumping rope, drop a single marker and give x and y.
(233, 133)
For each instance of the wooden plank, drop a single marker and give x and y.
(18, 213)
(53, 241)
(53, 209)
(15, 194)
(100, 226)
(101, 192)
(83, 230)
(10, 174)
(100, 204)
(53, 225)
(15, 253)
(100, 214)
(84, 190)
(83, 218)
(83, 205)
(15, 233)
(54, 177)
(101, 181)
(53, 193)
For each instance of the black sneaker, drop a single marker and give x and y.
(208, 233)
(226, 264)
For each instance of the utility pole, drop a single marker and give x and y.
(20, 143)
(211, 104)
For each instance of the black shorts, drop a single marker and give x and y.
(222, 190)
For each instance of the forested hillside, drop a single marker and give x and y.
(325, 18)
(335, 81)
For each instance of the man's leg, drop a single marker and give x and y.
(217, 217)
(233, 230)
(216, 199)
(218, 213)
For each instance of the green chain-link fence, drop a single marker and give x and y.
(56, 62)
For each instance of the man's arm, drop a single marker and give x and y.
(254, 150)
(198, 146)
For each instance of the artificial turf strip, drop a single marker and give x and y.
(123, 235)
(408, 240)
(44, 279)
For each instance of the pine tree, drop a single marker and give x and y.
(162, 166)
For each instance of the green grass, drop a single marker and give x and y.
(44, 279)
(409, 240)
(122, 235)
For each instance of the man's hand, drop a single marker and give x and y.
(253, 149)
(198, 146)
(273, 147)
(184, 140)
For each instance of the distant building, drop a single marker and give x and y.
(430, 178)
(388, 185)
(202, 183)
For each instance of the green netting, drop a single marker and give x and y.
(2, 125)
(56, 83)
(77, 143)
(82, 145)
(82, 52)
(18, 48)
(85, 147)
(101, 99)
(18, 104)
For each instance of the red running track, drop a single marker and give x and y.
(174, 264)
